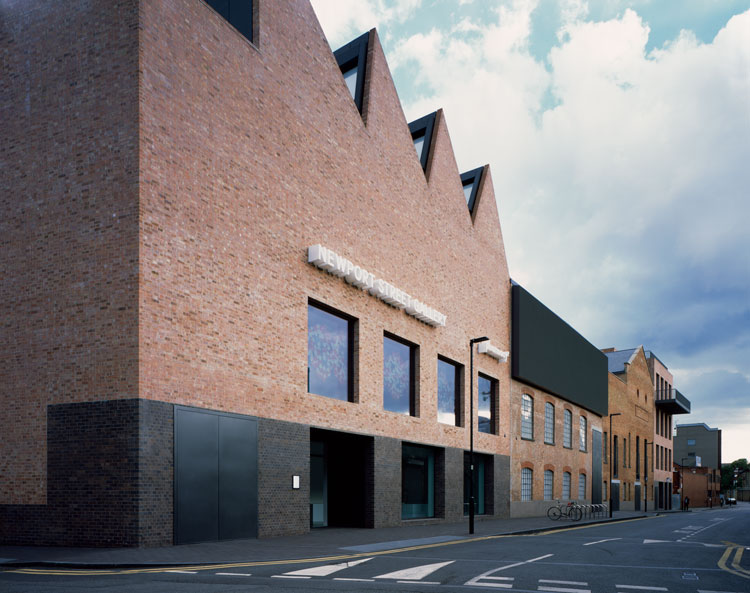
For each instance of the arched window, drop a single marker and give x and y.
(581, 486)
(568, 429)
(527, 417)
(549, 480)
(549, 423)
(527, 477)
(582, 434)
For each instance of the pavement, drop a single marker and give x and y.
(318, 543)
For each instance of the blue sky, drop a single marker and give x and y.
(618, 133)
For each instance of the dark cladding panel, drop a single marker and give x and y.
(596, 467)
(196, 476)
(551, 355)
(238, 477)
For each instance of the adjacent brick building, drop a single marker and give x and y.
(627, 428)
(180, 197)
(697, 450)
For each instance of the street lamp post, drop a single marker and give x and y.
(610, 460)
(471, 429)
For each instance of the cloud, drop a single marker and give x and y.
(343, 21)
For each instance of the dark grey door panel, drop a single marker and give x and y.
(238, 477)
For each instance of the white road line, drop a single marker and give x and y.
(183, 571)
(563, 582)
(415, 573)
(420, 582)
(501, 578)
(233, 574)
(563, 590)
(476, 581)
(641, 588)
(327, 569)
(354, 580)
(601, 541)
(288, 576)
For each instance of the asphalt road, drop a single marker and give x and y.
(703, 551)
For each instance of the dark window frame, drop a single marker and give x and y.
(472, 177)
(224, 10)
(494, 388)
(354, 55)
(424, 127)
(413, 372)
(459, 422)
(351, 345)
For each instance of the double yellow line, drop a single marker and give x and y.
(735, 568)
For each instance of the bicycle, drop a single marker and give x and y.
(571, 510)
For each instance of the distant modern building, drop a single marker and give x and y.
(631, 412)
(668, 402)
(698, 447)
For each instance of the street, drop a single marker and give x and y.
(700, 551)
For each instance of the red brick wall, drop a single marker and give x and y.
(68, 221)
(251, 154)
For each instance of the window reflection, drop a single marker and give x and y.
(485, 406)
(397, 377)
(447, 392)
(328, 354)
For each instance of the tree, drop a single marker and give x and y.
(727, 473)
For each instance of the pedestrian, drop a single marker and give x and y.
(687, 503)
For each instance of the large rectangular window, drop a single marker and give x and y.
(568, 429)
(616, 454)
(527, 478)
(487, 405)
(527, 417)
(330, 352)
(549, 423)
(417, 482)
(399, 385)
(449, 404)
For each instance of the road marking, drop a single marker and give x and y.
(601, 541)
(736, 569)
(658, 541)
(476, 581)
(354, 580)
(415, 573)
(641, 588)
(288, 576)
(326, 569)
(183, 571)
(234, 574)
(420, 582)
(563, 582)
(562, 590)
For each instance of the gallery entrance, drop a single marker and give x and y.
(341, 466)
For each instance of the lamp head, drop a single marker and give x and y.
(477, 340)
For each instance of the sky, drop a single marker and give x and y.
(618, 133)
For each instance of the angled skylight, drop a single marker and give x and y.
(352, 59)
(421, 133)
(470, 181)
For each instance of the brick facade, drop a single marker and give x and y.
(630, 395)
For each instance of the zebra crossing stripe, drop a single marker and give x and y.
(325, 570)
(416, 573)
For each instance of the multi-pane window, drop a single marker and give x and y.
(549, 423)
(399, 361)
(582, 434)
(487, 404)
(549, 480)
(527, 477)
(566, 486)
(527, 417)
(448, 392)
(330, 338)
(582, 486)
(605, 447)
(624, 452)
(568, 429)
(637, 457)
(616, 454)
(604, 490)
